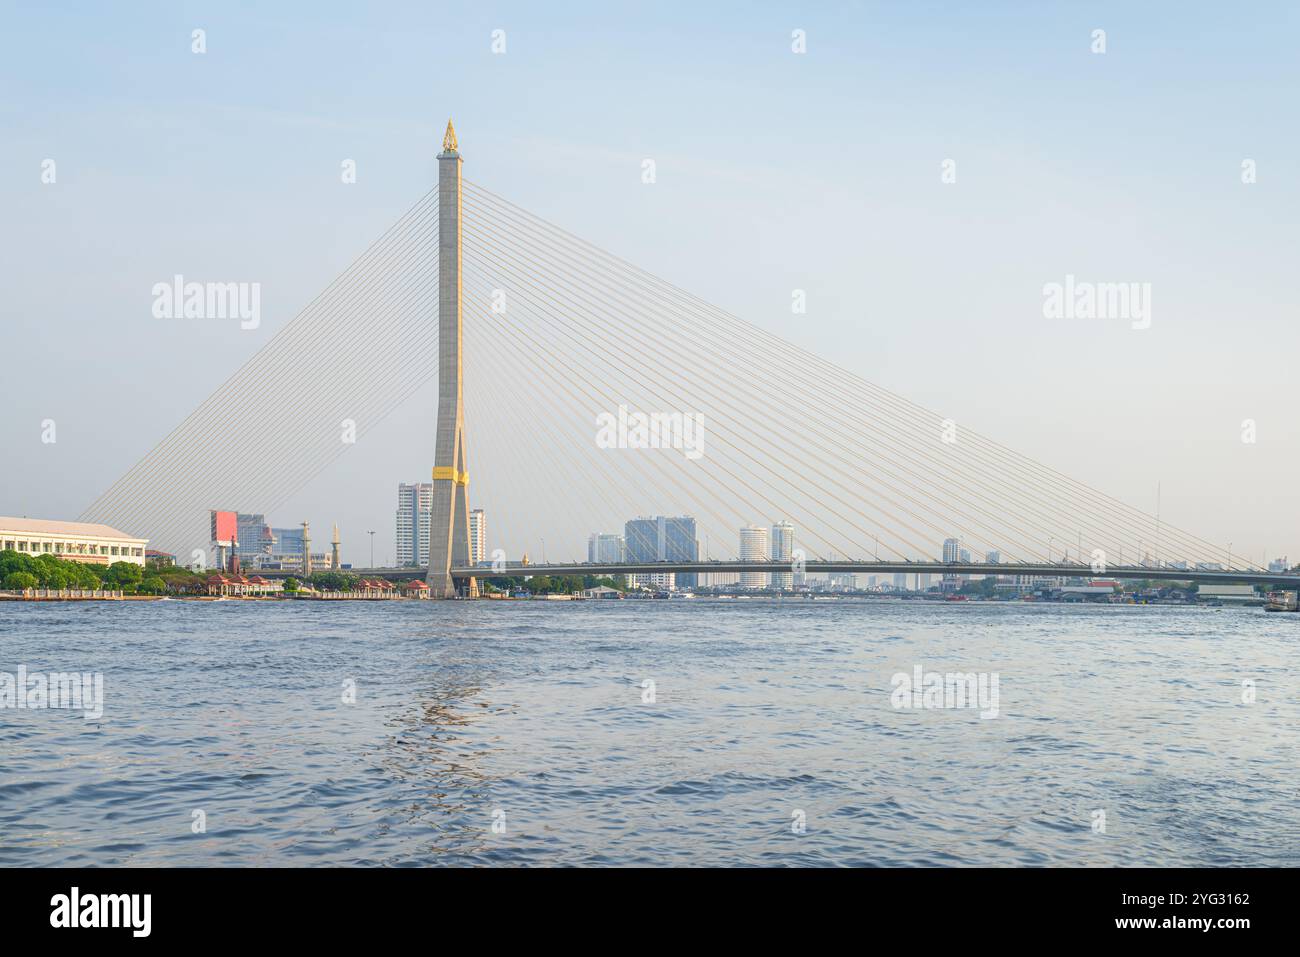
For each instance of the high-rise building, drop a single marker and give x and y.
(664, 538)
(783, 551)
(900, 581)
(255, 537)
(414, 504)
(951, 553)
(477, 537)
(287, 542)
(604, 548)
(753, 548)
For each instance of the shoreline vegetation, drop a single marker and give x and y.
(49, 578)
(46, 577)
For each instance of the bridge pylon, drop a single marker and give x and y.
(449, 520)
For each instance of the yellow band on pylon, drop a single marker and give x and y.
(448, 473)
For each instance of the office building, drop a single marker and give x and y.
(783, 552)
(254, 536)
(663, 538)
(603, 548)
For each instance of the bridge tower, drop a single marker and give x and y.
(449, 521)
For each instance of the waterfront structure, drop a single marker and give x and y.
(449, 519)
(663, 538)
(85, 542)
(1245, 594)
(655, 581)
(239, 586)
(334, 550)
(477, 537)
(753, 548)
(414, 503)
(415, 589)
(783, 551)
(602, 547)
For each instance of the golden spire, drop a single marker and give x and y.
(449, 138)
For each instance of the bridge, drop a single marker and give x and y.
(1280, 581)
(1201, 576)
(596, 392)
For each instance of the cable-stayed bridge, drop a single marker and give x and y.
(576, 386)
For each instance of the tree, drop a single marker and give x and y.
(12, 561)
(17, 581)
(84, 577)
(55, 577)
(291, 584)
(124, 575)
(333, 581)
(153, 585)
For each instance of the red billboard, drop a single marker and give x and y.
(225, 528)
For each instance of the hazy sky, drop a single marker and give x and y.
(776, 171)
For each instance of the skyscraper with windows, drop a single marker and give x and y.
(783, 552)
(951, 553)
(254, 536)
(477, 537)
(754, 548)
(664, 538)
(604, 548)
(414, 505)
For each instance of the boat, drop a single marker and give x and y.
(1281, 601)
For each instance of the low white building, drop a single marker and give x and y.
(71, 541)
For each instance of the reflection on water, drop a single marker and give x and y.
(522, 733)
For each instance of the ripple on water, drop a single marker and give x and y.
(521, 733)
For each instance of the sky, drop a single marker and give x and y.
(776, 171)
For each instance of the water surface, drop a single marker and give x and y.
(532, 716)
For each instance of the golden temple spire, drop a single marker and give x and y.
(449, 138)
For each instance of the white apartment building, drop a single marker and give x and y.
(414, 506)
(477, 537)
(754, 548)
